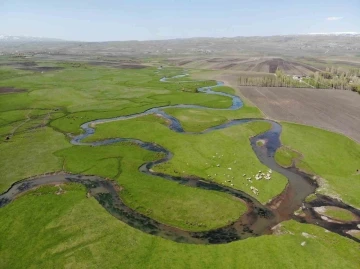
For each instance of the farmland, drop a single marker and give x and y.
(183, 177)
(251, 64)
(328, 109)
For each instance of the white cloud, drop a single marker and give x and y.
(334, 18)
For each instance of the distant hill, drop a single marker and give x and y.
(331, 44)
(336, 34)
(25, 39)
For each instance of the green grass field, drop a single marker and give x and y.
(42, 229)
(333, 157)
(197, 120)
(285, 156)
(67, 98)
(29, 154)
(168, 202)
(45, 230)
(200, 154)
(85, 93)
(338, 213)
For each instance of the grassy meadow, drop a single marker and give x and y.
(286, 156)
(67, 98)
(30, 153)
(222, 156)
(168, 202)
(338, 213)
(331, 156)
(197, 120)
(45, 230)
(42, 229)
(85, 93)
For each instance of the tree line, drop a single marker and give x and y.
(280, 79)
(337, 78)
(331, 78)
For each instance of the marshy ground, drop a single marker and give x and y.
(70, 229)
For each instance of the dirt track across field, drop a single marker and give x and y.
(334, 110)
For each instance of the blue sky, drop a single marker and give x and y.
(102, 20)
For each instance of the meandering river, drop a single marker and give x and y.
(258, 220)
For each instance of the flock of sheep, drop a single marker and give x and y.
(260, 175)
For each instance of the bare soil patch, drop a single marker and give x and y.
(246, 64)
(309, 67)
(334, 110)
(19, 64)
(183, 63)
(289, 67)
(120, 65)
(131, 66)
(41, 68)
(276, 63)
(32, 66)
(10, 90)
(228, 66)
(31, 63)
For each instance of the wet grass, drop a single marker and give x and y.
(331, 156)
(86, 93)
(338, 214)
(67, 98)
(28, 154)
(285, 156)
(72, 231)
(197, 120)
(166, 201)
(17, 121)
(222, 156)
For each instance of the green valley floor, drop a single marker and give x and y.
(45, 228)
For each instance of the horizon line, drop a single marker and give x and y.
(182, 38)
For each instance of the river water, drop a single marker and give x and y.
(257, 221)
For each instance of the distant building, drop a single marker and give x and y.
(297, 77)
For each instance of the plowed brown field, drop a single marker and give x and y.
(334, 110)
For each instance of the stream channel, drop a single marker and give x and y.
(258, 220)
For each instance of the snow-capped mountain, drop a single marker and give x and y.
(336, 34)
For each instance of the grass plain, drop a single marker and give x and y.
(85, 93)
(338, 213)
(29, 154)
(168, 202)
(72, 231)
(222, 156)
(65, 99)
(333, 157)
(286, 156)
(41, 229)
